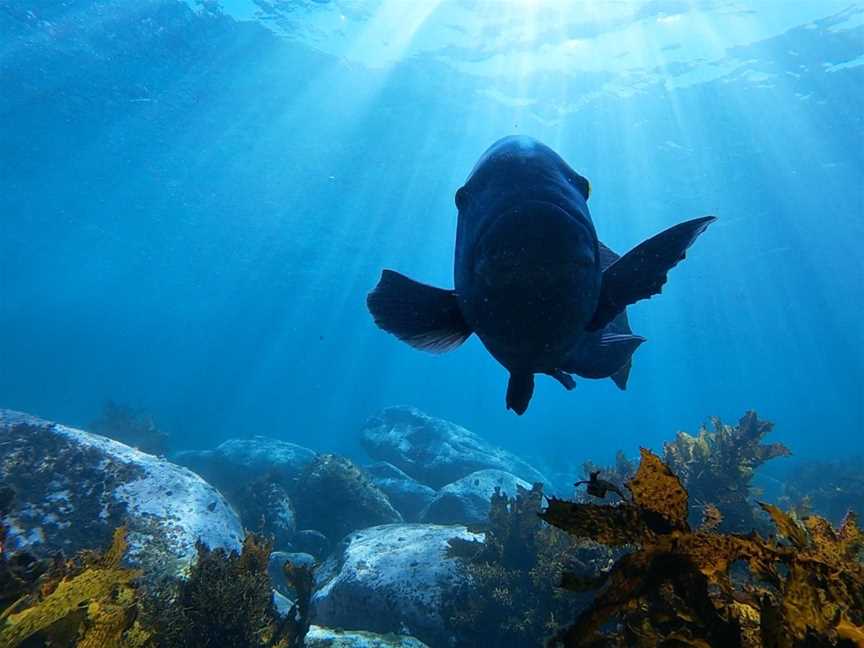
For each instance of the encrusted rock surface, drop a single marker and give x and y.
(391, 578)
(319, 637)
(335, 497)
(467, 500)
(238, 461)
(407, 495)
(434, 451)
(73, 488)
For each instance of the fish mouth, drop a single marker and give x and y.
(534, 241)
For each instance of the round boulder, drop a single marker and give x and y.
(391, 578)
(467, 500)
(436, 452)
(73, 489)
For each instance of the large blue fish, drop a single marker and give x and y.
(542, 293)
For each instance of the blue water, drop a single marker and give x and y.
(195, 200)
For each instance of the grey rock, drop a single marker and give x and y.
(335, 497)
(73, 488)
(238, 461)
(264, 505)
(391, 578)
(467, 500)
(282, 603)
(319, 637)
(434, 451)
(276, 564)
(311, 542)
(408, 496)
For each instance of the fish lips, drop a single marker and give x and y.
(535, 243)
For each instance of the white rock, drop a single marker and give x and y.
(73, 488)
(391, 578)
(467, 500)
(319, 637)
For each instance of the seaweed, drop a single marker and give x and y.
(90, 600)
(702, 588)
(133, 427)
(510, 596)
(830, 488)
(717, 466)
(227, 602)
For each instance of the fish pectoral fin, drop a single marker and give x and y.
(641, 272)
(425, 317)
(520, 389)
(564, 378)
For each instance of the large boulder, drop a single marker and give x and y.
(319, 637)
(408, 496)
(335, 497)
(238, 461)
(391, 578)
(467, 500)
(73, 488)
(434, 451)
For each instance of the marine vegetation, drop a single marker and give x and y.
(678, 586)
(133, 427)
(510, 597)
(227, 602)
(602, 480)
(89, 601)
(717, 466)
(829, 488)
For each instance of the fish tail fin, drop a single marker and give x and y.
(520, 389)
(641, 272)
(620, 377)
(425, 317)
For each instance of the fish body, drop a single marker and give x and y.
(531, 278)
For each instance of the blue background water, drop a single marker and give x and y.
(194, 204)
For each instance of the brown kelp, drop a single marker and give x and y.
(829, 488)
(510, 597)
(88, 601)
(718, 464)
(227, 602)
(701, 588)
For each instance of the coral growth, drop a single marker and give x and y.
(681, 587)
(133, 427)
(511, 598)
(88, 601)
(227, 602)
(717, 466)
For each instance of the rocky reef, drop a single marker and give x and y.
(289, 547)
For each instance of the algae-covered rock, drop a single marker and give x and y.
(73, 488)
(391, 578)
(335, 497)
(407, 495)
(434, 451)
(319, 637)
(467, 500)
(238, 461)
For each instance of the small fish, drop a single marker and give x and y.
(532, 280)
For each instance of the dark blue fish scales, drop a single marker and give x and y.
(532, 280)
